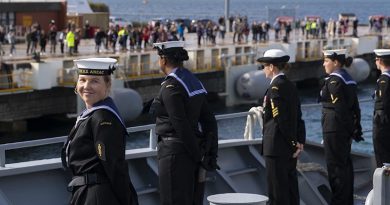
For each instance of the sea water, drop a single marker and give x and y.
(255, 10)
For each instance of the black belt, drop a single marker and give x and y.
(87, 179)
(328, 109)
(328, 105)
(176, 139)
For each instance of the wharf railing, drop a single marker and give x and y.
(311, 49)
(20, 80)
(135, 70)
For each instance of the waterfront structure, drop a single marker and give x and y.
(27, 84)
(21, 14)
(81, 14)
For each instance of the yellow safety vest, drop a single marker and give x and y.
(70, 39)
(313, 25)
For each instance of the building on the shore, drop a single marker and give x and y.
(80, 13)
(21, 14)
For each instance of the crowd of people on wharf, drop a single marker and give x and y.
(141, 36)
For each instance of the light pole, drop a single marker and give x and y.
(227, 23)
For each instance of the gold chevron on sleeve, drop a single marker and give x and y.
(275, 112)
(334, 99)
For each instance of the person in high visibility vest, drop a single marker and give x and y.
(70, 39)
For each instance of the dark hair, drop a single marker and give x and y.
(281, 66)
(386, 61)
(347, 62)
(175, 56)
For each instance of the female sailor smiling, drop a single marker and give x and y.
(95, 149)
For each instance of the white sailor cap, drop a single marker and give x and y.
(274, 56)
(334, 53)
(382, 53)
(169, 44)
(96, 66)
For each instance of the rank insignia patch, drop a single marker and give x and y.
(105, 123)
(100, 150)
(275, 111)
(334, 99)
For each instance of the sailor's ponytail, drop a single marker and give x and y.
(348, 61)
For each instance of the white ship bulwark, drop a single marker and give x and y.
(242, 170)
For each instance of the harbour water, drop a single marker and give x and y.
(144, 10)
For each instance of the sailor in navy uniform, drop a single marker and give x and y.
(95, 150)
(381, 122)
(284, 131)
(183, 146)
(340, 124)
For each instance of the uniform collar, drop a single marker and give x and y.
(386, 72)
(190, 83)
(343, 75)
(279, 74)
(107, 104)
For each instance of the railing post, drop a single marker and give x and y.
(252, 57)
(153, 139)
(2, 157)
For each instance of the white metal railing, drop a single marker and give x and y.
(150, 127)
(62, 139)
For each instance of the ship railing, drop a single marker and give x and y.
(62, 139)
(151, 128)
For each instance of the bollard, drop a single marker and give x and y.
(381, 184)
(237, 199)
